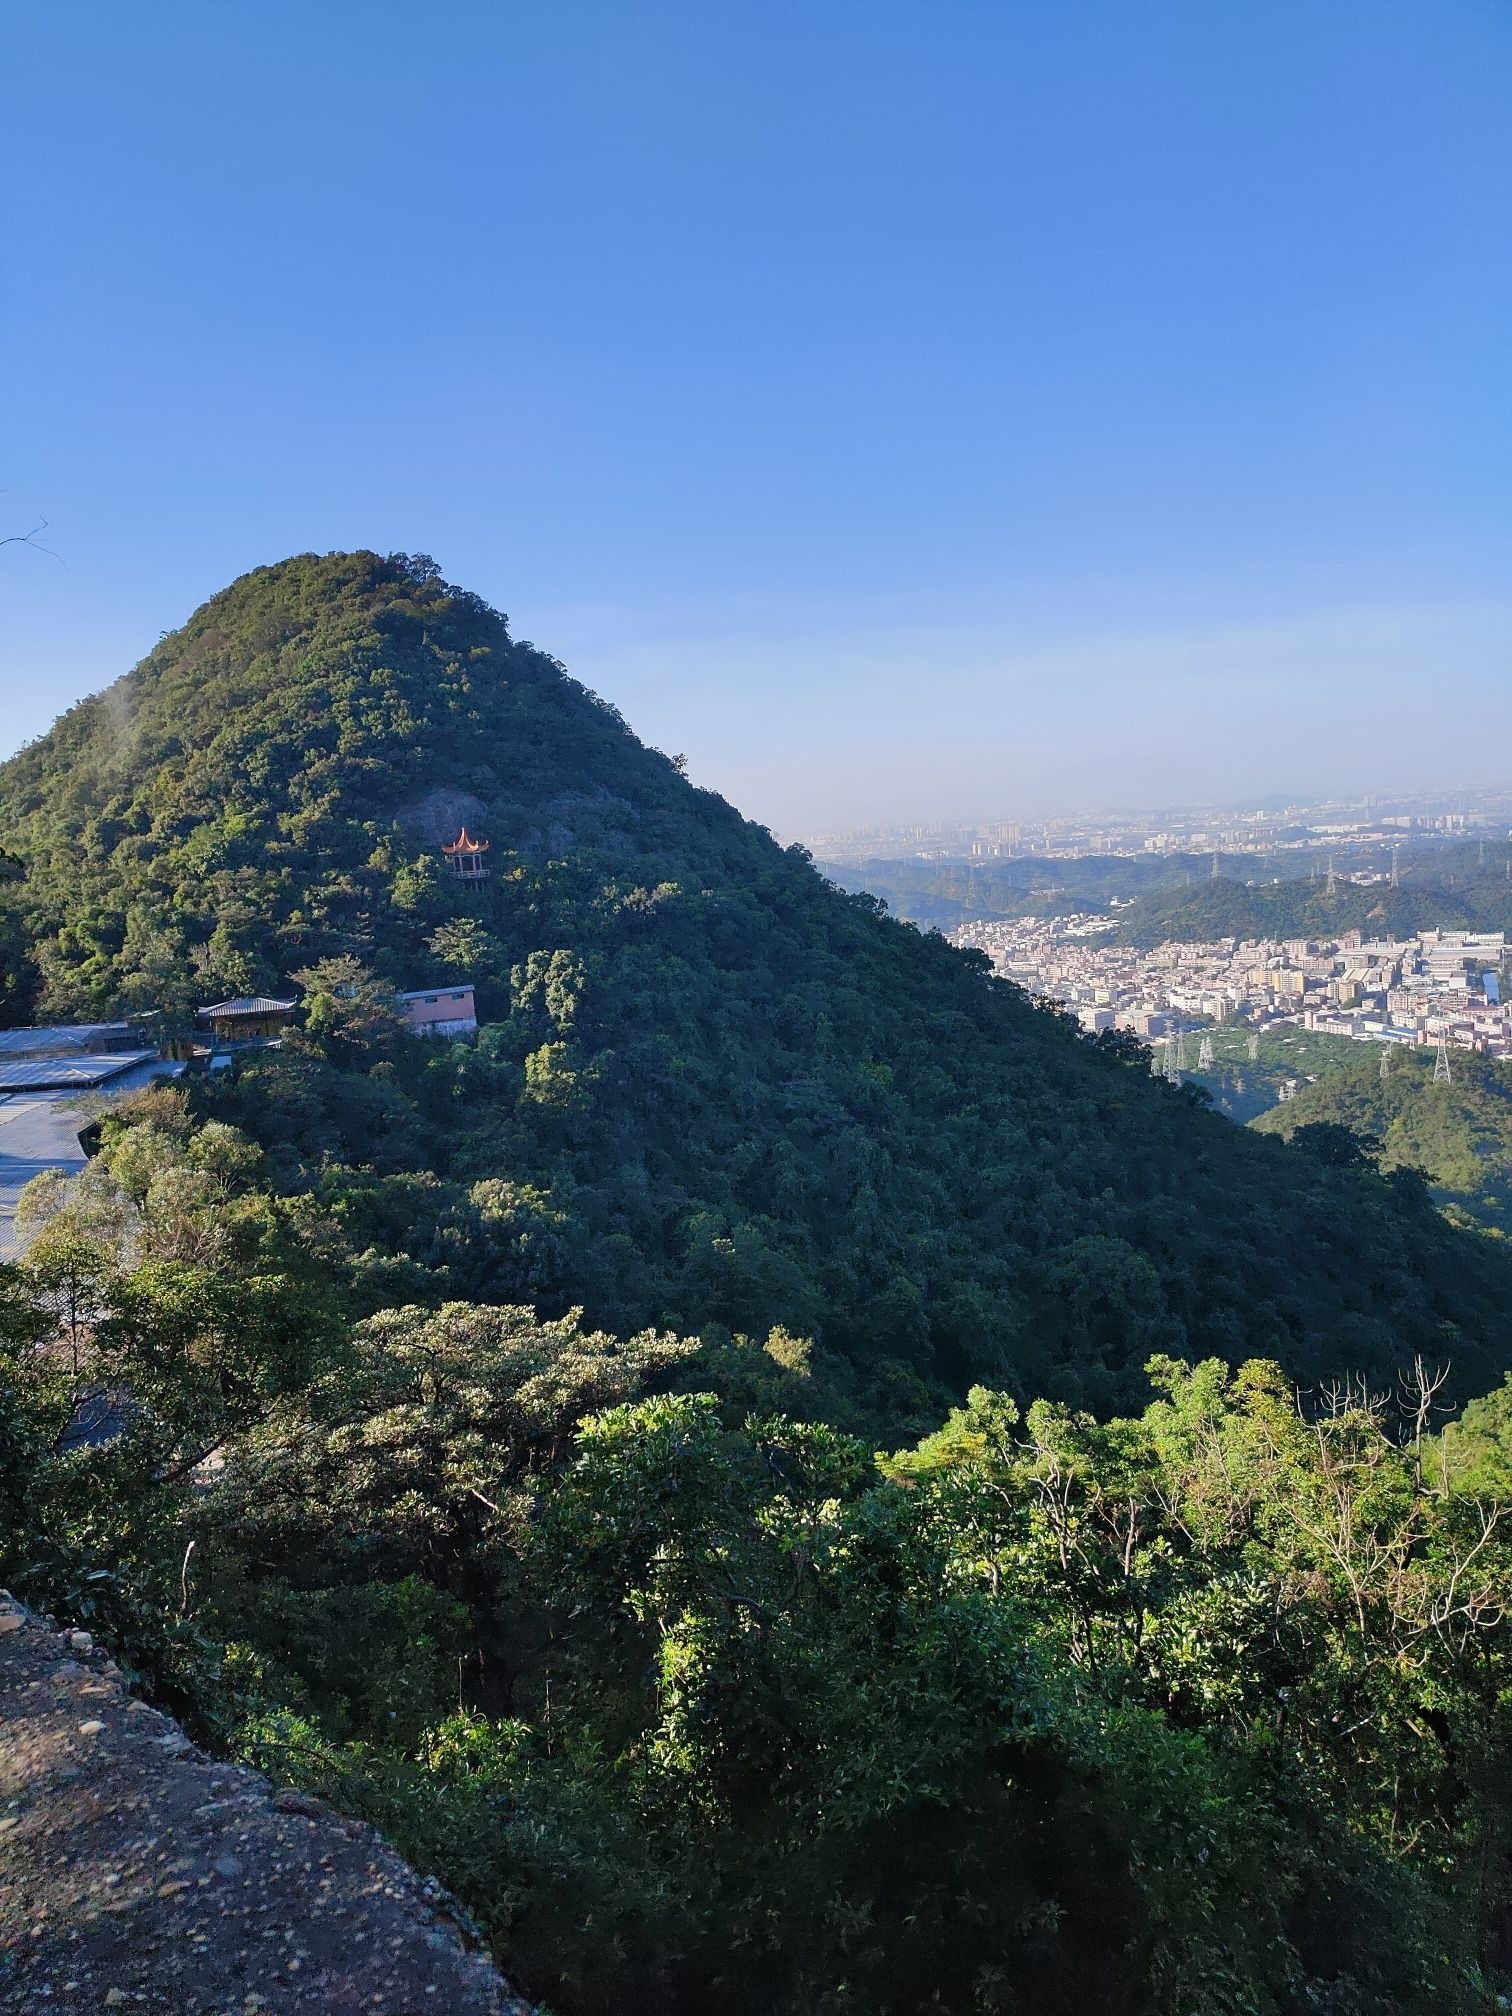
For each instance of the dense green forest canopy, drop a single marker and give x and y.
(713, 1093)
(698, 1704)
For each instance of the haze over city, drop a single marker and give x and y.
(1080, 406)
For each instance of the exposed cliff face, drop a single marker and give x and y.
(136, 1873)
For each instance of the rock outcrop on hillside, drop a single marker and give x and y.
(138, 1874)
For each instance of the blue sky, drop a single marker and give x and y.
(905, 410)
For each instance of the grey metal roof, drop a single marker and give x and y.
(445, 987)
(77, 1072)
(62, 1036)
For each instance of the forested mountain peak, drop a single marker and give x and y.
(712, 1093)
(282, 760)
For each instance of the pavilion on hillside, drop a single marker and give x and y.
(246, 1018)
(464, 856)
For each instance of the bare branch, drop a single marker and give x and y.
(31, 539)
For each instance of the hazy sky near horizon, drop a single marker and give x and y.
(905, 410)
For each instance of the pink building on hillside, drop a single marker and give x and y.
(441, 1011)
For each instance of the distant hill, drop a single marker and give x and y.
(1436, 896)
(1459, 1134)
(1177, 897)
(944, 893)
(714, 1092)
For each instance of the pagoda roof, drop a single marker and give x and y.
(249, 1004)
(464, 844)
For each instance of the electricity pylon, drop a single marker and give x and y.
(1386, 1063)
(1442, 1075)
(1254, 1046)
(1396, 873)
(1205, 1054)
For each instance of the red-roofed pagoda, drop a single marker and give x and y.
(465, 856)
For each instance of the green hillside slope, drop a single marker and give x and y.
(714, 1092)
(1459, 1134)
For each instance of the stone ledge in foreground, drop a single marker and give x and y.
(138, 1874)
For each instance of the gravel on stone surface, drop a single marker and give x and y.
(138, 1874)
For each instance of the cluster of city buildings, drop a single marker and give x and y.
(1440, 984)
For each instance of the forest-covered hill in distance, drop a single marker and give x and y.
(1458, 1134)
(1436, 896)
(945, 893)
(713, 1092)
(1177, 896)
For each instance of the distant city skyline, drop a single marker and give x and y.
(1355, 824)
(942, 406)
(1448, 799)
